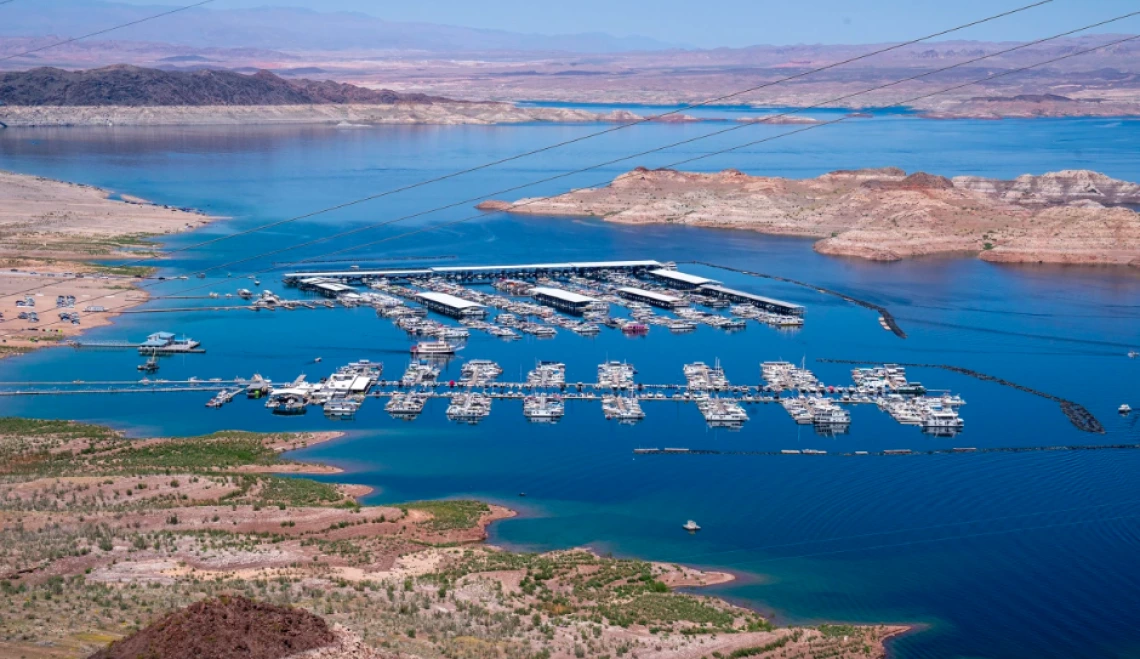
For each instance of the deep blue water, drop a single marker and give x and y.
(1000, 555)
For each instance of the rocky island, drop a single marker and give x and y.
(1067, 217)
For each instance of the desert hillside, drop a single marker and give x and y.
(134, 86)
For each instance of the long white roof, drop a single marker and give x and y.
(568, 296)
(653, 295)
(477, 268)
(449, 300)
(682, 277)
(753, 296)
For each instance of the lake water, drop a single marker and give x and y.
(997, 555)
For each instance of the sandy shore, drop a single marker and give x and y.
(50, 231)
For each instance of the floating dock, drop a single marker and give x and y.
(476, 273)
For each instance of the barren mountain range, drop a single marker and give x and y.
(1104, 82)
(133, 86)
(1071, 217)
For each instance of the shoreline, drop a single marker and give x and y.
(53, 234)
(228, 529)
(1071, 217)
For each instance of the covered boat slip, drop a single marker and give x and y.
(655, 298)
(450, 305)
(567, 301)
(679, 280)
(771, 304)
(478, 272)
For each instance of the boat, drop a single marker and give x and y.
(341, 407)
(547, 374)
(257, 387)
(625, 410)
(1132, 354)
(433, 348)
(469, 408)
(1125, 409)
(419, 372)
(691, 526)
(636, 329)
(406, 405)
(543, 408)
(831, 415)
(939, 417)
(151, 365)
(615, 374)
(721, 412)
(480, 372)
(224, 396)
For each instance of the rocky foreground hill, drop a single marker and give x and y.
(1073, 217)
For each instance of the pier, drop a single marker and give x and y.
(545, 392)
(475, 273)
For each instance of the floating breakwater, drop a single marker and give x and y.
(1077, 414)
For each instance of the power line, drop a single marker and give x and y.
(686, 161)
(574, 172)
(707, 155)
(588, 136)
(105, 31)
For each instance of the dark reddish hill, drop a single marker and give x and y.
(225, 628)
(136, 86)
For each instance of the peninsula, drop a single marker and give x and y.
(1066, 217)
(50, 233)
(104, 535)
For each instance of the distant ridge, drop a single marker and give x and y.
(123, 85)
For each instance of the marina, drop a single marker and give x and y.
(546, 389)
(1026, 325)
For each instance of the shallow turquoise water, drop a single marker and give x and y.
(1002, 555)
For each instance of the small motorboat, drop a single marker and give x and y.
(1125, 409)
(691, 526)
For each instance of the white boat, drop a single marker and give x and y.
(615, 374)
(622, 409)
(691, 526)
(405, 405)
(419, 372)
(433, 348)
(1125, 409)
(547, 374)
(341, 407)
(543, 408)
(480, 372)
(831, 416)
(941, 418)
(469, 408)
(721, 412)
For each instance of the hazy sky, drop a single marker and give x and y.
(712, 23)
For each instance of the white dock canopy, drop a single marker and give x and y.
(566, 296)
(771, 304)
(652, 297)
(450, 305)
(683, 279)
